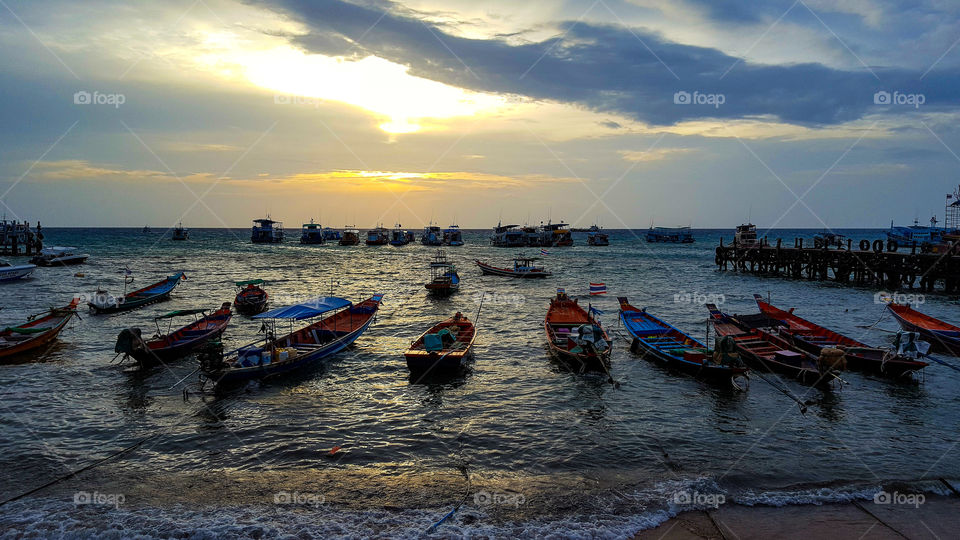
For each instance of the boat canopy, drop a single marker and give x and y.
(306, 310)
(180, 312)
(249, 282)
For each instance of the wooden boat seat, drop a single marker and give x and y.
(306, 346)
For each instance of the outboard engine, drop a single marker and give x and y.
(130, 342)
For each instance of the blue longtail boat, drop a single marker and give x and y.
(307, 346)
(102, 302)
(662, 342)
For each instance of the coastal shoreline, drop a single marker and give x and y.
(937, 517)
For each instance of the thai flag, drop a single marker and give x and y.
(597, 288)
(544, 252)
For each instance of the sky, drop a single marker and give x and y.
(626, 113)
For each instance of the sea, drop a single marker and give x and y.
(516, 446)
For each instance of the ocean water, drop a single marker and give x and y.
(518, 445)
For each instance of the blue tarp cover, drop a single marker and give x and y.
(306, 310)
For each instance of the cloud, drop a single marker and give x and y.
(615, 69)
(657, 154)
(344, 180)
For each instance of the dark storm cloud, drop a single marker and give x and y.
(612, 68)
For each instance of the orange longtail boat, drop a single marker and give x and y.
(17, 341)
(575, 337)
(943, 337)
(444, 347)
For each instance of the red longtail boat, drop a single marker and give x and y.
(942, 336)
(174, 344)
(813, 338)
(766, 351)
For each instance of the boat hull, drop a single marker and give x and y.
(17, 352)
(314, 356)
(506, 272)
(15, 273)
(940, 341)
(159, 351)
(449, 359)
(161, 291)
(61, 261)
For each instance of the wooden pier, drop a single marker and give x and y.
(874, 263)
(17, 238)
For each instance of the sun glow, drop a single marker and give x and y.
(403, 101)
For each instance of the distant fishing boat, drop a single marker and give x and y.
(765, 351)
(432, 235)
(251, 297)
(444, 278)
(745, 235)
(180, 233)
(445, 347)
(399, 237)
(556, 234)
(916, 233)
(378, 236)
(812, 338)
(351, 236)
(174, 344)
(665, 344)
(596, 237)
(301, 348)
(59, 256)
(942, 336)
(18, 341)
(146, 229)
(452, 236)
(522, 268)
(266, 231)
(331, 235)
(507, 236)
(575, 337)
(102, 302)
(312, 233)
(531, 236)
(673, 235)
(14, 272)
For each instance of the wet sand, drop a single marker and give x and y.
(938, 517)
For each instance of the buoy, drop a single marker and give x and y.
(334, 450)
(79, 274)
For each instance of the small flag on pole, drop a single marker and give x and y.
(127, 271)
(597, 288)
(544, 252)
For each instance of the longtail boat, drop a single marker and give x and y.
(813, 338)
(174, 344)
(103, 302)
(522, 268)
(307, 346)
(575, 337)
(766, 351)
(662, 342)
(251, 297)
(943, 337)
(444, 347)
(444, 278)
(16, 341)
